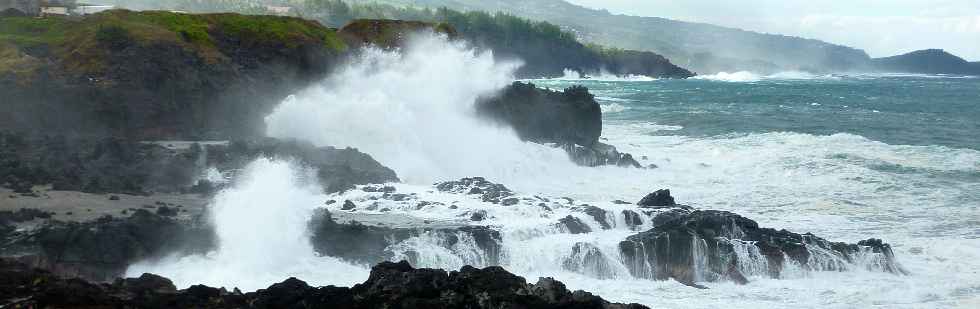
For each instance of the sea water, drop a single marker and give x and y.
(846, 157)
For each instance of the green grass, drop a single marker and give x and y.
(27, 31)
(149, 26)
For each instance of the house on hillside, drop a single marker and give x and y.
(278, 10)
(51, 7)
(57, 7)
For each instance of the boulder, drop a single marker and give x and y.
(569, 119)
(658, 199)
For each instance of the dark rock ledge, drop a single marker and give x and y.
(693, 246)
(390, 285)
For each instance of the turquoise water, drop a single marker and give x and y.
(847, 157)
(894, 109)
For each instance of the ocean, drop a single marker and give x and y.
(846, 157)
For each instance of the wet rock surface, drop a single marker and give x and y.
(660, 198)
(704, 245)
(102, 249)
(337, 169)
(114, 165)
(372, 242)
(488, 191)
(390, 285)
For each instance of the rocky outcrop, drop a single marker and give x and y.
(489, 192)
(337, 169)
(157, 74)
(114, 165)
(571, 120)
(660, 198)
(693, 246)
(386, 33)
(368, 244)
(102, 249)
(390, 285)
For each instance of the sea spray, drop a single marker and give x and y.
(261, 225)
(413, 110)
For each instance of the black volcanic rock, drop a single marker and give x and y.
(569, 119)
(390, 285)
(369, 244)
(337, 169)
(489, 192)
(691, 246)
(660, 198)
(573, 225)
(116, 165)
(544, 116)
(102, 249)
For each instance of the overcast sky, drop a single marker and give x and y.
(881, 27)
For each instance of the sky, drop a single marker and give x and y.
(880, 27)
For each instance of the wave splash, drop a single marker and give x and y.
(261, 225)
(412, 110)
(603, 76)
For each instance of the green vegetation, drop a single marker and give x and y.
(151, 26)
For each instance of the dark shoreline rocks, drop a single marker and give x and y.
(390, 285)
(693, 246)
(114, 165)
(102, 249)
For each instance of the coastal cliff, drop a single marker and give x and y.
(152, 75)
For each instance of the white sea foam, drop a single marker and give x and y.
(737, 77)
(412, 111)
(613, 108)
(603, 76)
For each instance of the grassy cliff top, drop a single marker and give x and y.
(62, 37)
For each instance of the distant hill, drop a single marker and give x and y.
(700, 47)
(930, 61)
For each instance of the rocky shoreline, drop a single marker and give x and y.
(390, 285)
(133, 181)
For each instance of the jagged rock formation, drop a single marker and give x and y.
(693, 246)
(570, 119)
(390, 285)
